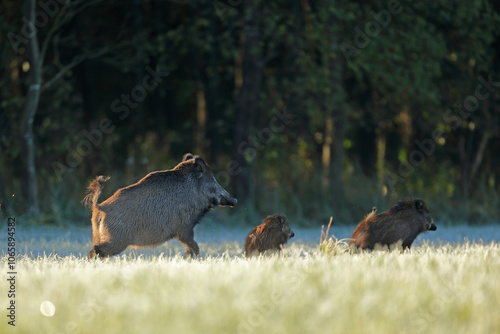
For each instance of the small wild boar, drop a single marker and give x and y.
(272, 234)
(404, 221)
(161, 206)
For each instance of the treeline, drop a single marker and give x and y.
(312, 108)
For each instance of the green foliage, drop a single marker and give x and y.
(398, 86)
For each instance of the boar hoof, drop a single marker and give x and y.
(190, 255)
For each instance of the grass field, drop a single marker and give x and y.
(443, 285)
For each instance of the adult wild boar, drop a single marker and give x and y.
(404, 221)
(161, 206)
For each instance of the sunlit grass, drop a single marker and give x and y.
(332, 246)
(433, 288)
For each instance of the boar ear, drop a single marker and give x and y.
(187, 156)
(199, 167)
(282, 220)
(420, 205)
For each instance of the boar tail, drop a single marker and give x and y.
(94, 190)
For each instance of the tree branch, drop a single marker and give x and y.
(65, 15)
(57, 24)
(76, 60)
(480, 153)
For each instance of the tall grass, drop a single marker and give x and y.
(332, 246)
(444, 288)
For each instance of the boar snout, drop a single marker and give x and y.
(430, 225)
(228, 201)
(292, 235)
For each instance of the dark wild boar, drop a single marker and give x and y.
(272, 234)
(404, 221)
(161, 206)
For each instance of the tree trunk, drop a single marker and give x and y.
(406, 128)
(199, 130)
(248, 99)
(212, 84)
(138, 117)
(381, 147)
(336, 109)
(471, 159)
(333, 153)
(326, 152)
(29, 182)
(336, 183)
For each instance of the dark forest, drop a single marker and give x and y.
(310, 108)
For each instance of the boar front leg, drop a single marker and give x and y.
(187, 240)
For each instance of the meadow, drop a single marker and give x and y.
(447, 283)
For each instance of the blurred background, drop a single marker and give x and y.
(310, 108)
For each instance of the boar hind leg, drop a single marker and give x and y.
(187, 240)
